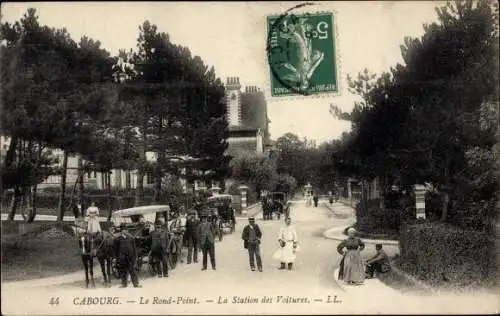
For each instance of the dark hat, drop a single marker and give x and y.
(251, 218)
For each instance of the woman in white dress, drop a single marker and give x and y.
(288, 240)
(93, 225)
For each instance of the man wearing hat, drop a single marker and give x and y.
(158, 243)
(190, 237)
(206, 241)
(251, 240)
(127, 256)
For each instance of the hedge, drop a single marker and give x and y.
(371, 219)
(443, 254)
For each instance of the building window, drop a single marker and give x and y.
(149, 177)
(127, 179)
(233, 96)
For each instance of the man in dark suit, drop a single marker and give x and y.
(251, 240)
(158, 243)
(190, 237)
(206, 241)
(127, 256)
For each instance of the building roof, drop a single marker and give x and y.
(242, 128)
(238, 146)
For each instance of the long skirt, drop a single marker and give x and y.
(351, 267)
(285, 254)
(93, 226)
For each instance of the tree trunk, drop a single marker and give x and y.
(446, 196)
(15, 202)
(108, 192)
(79, 182)
(11, 152)
(446, 200)
(157, 188)
(24, 202)
(32, 212)
(62, 194)
(139, 188)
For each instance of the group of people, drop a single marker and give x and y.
(352, 269)
(287, 239)
(199, 234)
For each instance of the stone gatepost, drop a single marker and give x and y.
(243, 191)
(420, 191)
(215, 189)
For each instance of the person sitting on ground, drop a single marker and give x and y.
(379, 262)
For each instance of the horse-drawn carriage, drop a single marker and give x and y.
(222, 210)
(273, 203)
(140, 222)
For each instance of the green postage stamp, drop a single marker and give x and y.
(301, 51)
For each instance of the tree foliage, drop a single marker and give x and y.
(424, 121)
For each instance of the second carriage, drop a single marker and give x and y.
(274, 204)
(223, 213)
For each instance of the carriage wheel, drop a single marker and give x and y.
(173, 254)
(151, 268)
(221, 231)
(139, 264)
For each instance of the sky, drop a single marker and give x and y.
(231, 36)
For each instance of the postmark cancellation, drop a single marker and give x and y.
(302, 54)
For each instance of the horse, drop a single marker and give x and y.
(100, 246)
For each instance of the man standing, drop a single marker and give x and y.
(158, 243)
(251, 240)
(206, 238)
(315, 199)
(127, 256)
(191, 238)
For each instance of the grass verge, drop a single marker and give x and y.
(32, 257)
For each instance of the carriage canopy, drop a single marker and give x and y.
(148, 213)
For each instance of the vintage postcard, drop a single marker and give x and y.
(239, 158)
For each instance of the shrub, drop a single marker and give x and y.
(443, 254)
(370, 218)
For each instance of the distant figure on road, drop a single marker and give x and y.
(251, 240)
(316, 199)
(93, 226)
(127, 256)
(288, 240)
(351, 267)
(287, 209)
(206, 240)
(330, 197)
(378, 263)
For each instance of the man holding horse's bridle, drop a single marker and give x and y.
(127, 256)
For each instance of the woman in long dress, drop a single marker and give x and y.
(288, 240)
(351, 267)
(93, 225)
